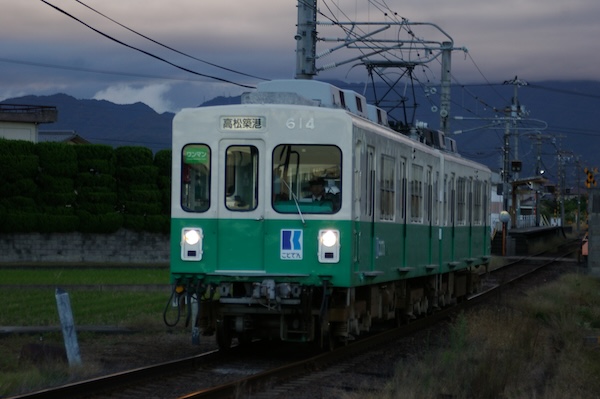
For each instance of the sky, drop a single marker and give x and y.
(43, 51)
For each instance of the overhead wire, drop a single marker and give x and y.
(385, 9)
(144, 51)
(168, 47)
(488, 107)
(381, 5)
(92, 70)
(563, 91)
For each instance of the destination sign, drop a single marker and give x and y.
(243, 123)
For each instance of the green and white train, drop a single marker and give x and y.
(400, 229)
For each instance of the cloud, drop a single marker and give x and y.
(152, 95)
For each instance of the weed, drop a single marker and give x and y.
(532, 347)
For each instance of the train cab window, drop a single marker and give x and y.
(307, 178)
(241, 178)
(195, 178)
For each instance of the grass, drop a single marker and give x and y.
(139, 310)
(38, 307)
(542, 346)
(84, 276)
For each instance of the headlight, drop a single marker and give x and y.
(329, 246)
(191, 237)
(329, 238)
(191, 243)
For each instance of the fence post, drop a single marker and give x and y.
(68, 327)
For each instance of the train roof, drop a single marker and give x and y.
(317, 94)
(322, 94)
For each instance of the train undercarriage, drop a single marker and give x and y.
(326, 315)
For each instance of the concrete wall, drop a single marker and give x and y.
(19, 131)
(121, 247)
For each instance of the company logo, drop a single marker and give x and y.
(291, 244)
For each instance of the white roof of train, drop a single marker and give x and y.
(322, 94)
(315, 93)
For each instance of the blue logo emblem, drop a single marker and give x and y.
(291, 244)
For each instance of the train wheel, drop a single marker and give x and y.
(329, 340)
(224, 337)
(326, 340)
(401, 317)
(245, 338)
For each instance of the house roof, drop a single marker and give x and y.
(61, 136)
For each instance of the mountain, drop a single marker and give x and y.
(568, 109)
(103, 122)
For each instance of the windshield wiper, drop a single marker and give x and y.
(295, 200)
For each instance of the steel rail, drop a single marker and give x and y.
(263, 380)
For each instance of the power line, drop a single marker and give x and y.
(486, 79)
(563, 91)
(143, 51)
(168, 47)
(91, 70)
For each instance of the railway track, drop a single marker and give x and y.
(265, 371)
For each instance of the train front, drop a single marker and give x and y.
(258, 215)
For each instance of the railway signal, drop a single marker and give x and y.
(591, 180)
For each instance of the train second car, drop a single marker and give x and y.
(300, 215)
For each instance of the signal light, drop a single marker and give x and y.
(590, 181)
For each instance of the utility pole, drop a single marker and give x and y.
(538, 173)
(512, 117)
(445, 87)
(578, 175)
(561, 187)
(539, 170)
(515, 114)
(506, 167)
(378, 46)
(306, 39)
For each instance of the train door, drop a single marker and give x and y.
(364, 204)
(368, 263)
(241, 205)
(356, 205)
(452, 215)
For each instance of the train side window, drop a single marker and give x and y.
(403, 185)
(370, 198)
(428, 194)
(485, 206)
(461, 201)
(416, 194)
(195, 178)
(445, 210)
(452, 202)
(241, 178)
(477, 202)
(436, 198)
(387, 189)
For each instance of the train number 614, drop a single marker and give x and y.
(300, 123)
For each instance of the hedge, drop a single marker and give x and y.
(91, 188)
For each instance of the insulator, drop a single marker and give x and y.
(323, 53)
